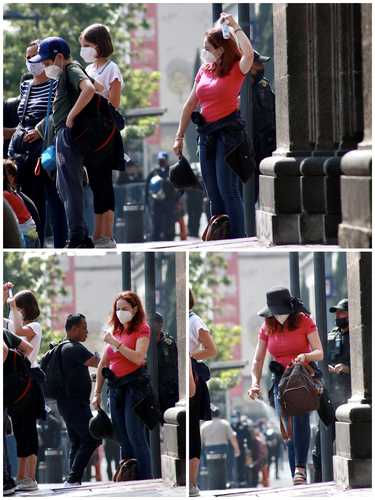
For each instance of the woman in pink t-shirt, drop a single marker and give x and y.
(221, 130)
(289, 335)
(128, 341)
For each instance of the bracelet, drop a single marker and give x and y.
(238, 29)
(179, 137)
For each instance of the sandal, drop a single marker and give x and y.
(299, 477)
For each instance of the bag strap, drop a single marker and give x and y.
(49, 106)
(27, 97)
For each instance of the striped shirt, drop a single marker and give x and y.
(38, 100)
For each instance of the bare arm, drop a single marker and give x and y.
(188, 108)
(93, 361)
(5, 352)
(209, 348)
(192, 386)
(316, 353)
(244, 43)
(115, 93)
(257, 368)
(136, 355)
(19, 329)
(85, 96)
(104, 362)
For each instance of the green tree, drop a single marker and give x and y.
(33, 21)
(44, 277)
(207, 277)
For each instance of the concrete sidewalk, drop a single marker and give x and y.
(316, 490)
(149, 488)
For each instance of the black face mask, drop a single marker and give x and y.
(342, 323)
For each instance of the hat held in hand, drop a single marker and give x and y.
(182, 176)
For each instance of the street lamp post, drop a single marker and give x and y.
(294, 274)
(247, 115)
(326, 442)
(126, 271)
(152, 359)
(217, 9)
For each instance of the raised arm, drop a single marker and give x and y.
(244, 43)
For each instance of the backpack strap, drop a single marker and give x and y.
(27, 97)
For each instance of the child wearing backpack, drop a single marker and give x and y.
(74, 92)
(96, 48)
(290, 336)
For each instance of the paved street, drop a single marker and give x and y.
(151, 488)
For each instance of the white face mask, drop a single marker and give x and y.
(88, 54)
(281, 318)
(207, 57)
(53, 72)
(35, 69)
(124, 316)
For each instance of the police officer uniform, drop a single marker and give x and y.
(168, 372)
(338, 351)
(264, 120)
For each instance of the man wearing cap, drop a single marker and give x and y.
(264, 122)
(75, 90)
(338, 351)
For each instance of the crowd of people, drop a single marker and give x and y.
(290, 336)
(42, 392)
(62, 142)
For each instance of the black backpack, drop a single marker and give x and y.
(17, 379)
(94, 128)
(51, 364)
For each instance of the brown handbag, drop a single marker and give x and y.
(300, 391)
(126, 471)
(218, 228)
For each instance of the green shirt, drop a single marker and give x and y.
(67, 93)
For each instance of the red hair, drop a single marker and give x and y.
(273, 326)
(231, 52)
(139, 317)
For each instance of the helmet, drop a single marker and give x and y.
(156, 187)
(100, 426)
(182, 176)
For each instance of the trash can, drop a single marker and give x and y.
(133, 223)
(203, 478)
(42, 473)
(217, 470)
(54, 461)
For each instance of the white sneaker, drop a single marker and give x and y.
(105, 242)
(194, 491)
(70, 485)
(27, 484)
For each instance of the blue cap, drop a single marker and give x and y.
(49, 48)
(163, 155)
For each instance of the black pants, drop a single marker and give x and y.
(76, 414)
(6, 465)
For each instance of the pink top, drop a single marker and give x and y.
(217, 96)
(285, 344)
(117, 362)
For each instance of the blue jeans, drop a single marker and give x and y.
(129, 429)
(298, 446)
(69, 183)
(222, 185)
(57, 214)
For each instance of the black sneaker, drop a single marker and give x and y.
(86, 243)
(9, 488)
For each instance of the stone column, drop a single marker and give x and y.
(278, 217)
(352, 462)
(356, 228)
(174, 429)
